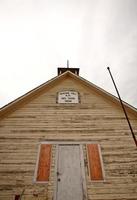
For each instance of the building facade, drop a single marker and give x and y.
(67, 140)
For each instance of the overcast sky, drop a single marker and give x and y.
(37, 36)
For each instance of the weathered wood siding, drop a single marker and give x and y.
(95, 119)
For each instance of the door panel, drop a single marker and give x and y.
(69, 184)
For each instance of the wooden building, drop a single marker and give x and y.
(67, 140)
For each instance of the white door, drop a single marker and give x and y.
(69, 173)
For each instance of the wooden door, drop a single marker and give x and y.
(69, 173)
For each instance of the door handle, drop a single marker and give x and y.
(58, 173)
(59, 179)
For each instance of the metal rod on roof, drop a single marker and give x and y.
(67, 63)
(131, 129)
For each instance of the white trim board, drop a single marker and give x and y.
(67, 142)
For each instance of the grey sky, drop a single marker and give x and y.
(37, 36)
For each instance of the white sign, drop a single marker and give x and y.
(68, 97)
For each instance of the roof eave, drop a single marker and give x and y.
(10, 107)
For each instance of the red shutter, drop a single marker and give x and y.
(44, 162)
(95, 167)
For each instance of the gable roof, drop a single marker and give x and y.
(14, 105)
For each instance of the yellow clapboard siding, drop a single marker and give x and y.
(95, 119)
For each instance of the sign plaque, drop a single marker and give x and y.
(68, 97)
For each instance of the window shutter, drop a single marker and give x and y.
(44, 162)
(95, 167)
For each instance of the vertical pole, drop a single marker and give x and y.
(133, 135)
(67, 63)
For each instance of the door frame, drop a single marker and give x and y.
(84, 188)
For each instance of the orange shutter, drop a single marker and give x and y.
(44, 162)
(95, 167)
